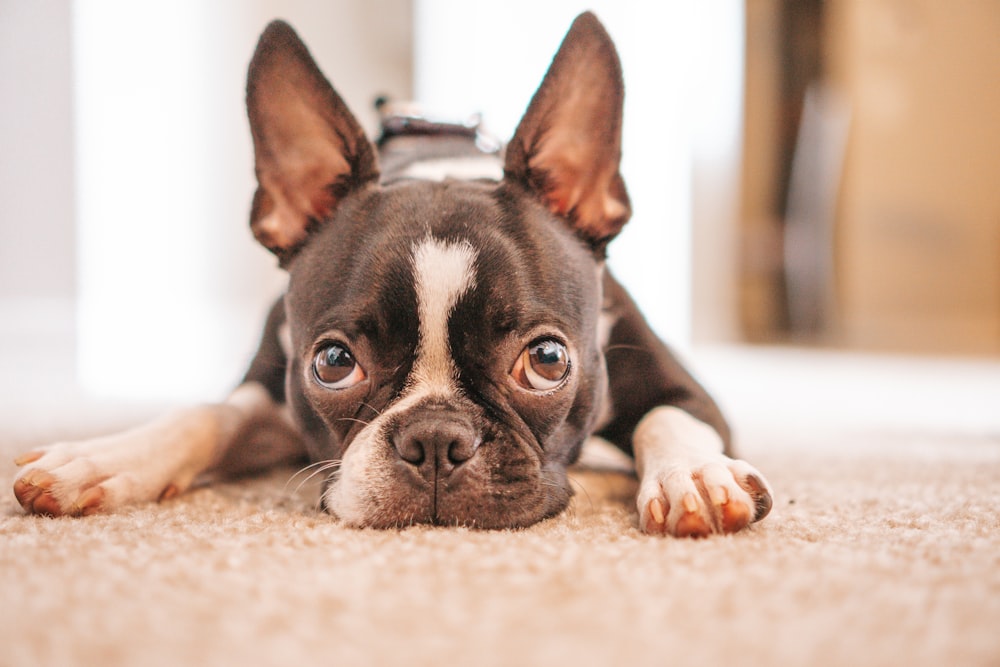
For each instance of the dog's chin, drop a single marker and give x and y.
(400, 503)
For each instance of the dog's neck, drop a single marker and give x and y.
(413, 146)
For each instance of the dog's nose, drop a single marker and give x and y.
(436, 443)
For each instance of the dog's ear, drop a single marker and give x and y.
(310, 151)
(567, 146)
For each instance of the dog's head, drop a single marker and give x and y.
(444, 335)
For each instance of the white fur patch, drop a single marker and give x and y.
(461, 168)
(443, 273)
(668, 437)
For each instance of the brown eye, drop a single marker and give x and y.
(542, 366)
(336, 368)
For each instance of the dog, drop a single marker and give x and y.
(445, 345)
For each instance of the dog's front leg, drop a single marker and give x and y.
(688, 486)
(159, 459)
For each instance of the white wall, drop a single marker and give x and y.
(37, 237)
(172, 287)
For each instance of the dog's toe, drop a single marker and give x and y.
(35, 490)
(89, 502)
(692, 523)
(718, 497)
(32, 484)
(734, 516)
(46, 504)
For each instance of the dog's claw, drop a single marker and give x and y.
(657, 511)
(690, 503)
(89, 502)
(758, 490)
(28, 457)
(718, 495)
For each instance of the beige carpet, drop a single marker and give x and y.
(883, 548)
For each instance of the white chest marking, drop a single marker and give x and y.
(443, 273)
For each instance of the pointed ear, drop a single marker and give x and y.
(568, 145)
(310, 151)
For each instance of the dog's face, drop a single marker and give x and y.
(444, 340)
(452, 365)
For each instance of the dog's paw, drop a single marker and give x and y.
(688, 487)
(81, 478)
(154, 461)
(721, 496)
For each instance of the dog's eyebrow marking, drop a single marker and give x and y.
(443, 272)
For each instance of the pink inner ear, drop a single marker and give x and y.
(309, 148)
(309, 183)
(297, 187)
(582, 185)
(567, 147)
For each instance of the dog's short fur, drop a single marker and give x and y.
(445, 346)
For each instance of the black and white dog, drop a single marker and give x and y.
(445, 346)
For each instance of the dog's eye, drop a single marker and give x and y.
(542, 366)
(336, 368)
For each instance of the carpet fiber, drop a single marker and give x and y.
(883, 548)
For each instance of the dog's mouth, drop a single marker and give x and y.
(502, 485)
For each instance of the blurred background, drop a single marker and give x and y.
(870, 212)
(815, 175)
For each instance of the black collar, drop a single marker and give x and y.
(405, 123)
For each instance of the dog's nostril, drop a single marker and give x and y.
(462, 450)
(411, 450)
(436, 443)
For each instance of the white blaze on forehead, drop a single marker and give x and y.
(443, 272)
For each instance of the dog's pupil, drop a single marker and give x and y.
(334, 363)
(548, 359)
(338, 356)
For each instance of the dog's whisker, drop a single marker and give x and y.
(579, 485)
(372, 408)
(353, 419)
(332, 465)
(304, 469)
(323, 467)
